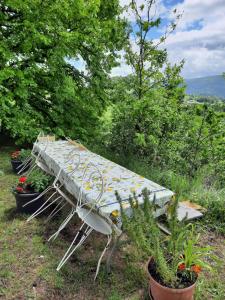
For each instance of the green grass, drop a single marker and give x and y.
(28, 262)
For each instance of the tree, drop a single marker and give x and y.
(142, 51)
(149, 112)
(39, 89)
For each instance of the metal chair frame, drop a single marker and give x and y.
(85, 229)
(57, 187)
(32, 159)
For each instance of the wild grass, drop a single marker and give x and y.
(201, 189)
(28, 262)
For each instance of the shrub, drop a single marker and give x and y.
(178, 258)
(36, 181)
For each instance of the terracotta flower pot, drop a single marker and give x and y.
(160, 292)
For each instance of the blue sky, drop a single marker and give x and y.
(199, 38)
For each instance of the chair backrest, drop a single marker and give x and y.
(73, 158)
(41, 138)
(91, 176)
(77, 144)
(36, 156)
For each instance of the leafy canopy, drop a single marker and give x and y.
(39, 89)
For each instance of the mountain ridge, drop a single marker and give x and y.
(206, 86)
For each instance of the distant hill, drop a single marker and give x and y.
(207, 86)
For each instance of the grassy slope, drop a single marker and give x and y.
(28, 262)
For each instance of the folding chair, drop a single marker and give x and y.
(91, 221)
(56, 187)
(34, 159)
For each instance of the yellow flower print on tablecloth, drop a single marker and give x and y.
(70, 168)
(133, 190)
(87, 186)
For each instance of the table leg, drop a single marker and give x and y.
(112, 252)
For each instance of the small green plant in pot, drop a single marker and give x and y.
(176, 260)
(17, 159)
(30, 187)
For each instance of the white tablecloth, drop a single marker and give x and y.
(116, 177)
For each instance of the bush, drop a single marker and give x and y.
(177, 257)
(37, 181)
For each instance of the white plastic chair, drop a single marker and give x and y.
(91, 221)
(57, 190)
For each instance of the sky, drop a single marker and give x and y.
(199, 38)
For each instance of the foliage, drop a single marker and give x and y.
(21, 154)
(214, 100)
(39, 87)
(214, 201)
(142, 53)
(143, 126)
(178, 257)
(149, 113)
(36, 181)
(182, 137)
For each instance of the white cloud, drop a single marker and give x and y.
(205, 10)
(204, 48)
(158, 9)
(199, 38)
(123, 69)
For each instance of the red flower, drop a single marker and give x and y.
(181, 267)
(19, 189)
(196, 268)
(15, 154)
(23, 179)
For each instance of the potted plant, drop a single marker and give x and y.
(176, 260)
(30, 187)
(17, 159)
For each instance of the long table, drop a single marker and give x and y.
(116, 178)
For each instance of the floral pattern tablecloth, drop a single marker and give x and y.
(116, 177)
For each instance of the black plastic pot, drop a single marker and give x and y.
(17, 166)
(22, 199)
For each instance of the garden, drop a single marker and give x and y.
(142, 145)
(28, 261)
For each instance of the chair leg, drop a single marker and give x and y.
(103, 253)
(26, 163)
(39, 196)
(55, 210)
(42, 208)
(32, 167)
(26, 160)
(71, 250)
(112, 252)
(63, 225)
